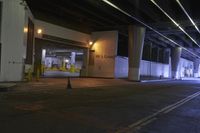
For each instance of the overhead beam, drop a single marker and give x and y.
(141, 6)
(164, 40)
(185, 23)
(153, 40)
(92, 13)
(188, 43)
(74, 13)
(171, 31)
(103, 10)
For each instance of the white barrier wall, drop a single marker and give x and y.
(78, 64)
(58, 31)
(155, 69)
(185, 68)
(49, 61)
(13, 40)
(121, 67)
(147, 68)
(105, 47)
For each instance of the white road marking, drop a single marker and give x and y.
(167, 109)
(149, 121)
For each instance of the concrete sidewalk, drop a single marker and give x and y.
(88, 82)
(6, 86)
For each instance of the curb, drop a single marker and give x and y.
(5, 87)
(157, 80)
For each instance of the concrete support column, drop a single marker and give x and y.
(166, 55)
(38, 55)
(84, 70)
(135, 47)
(175, 59)
(196, 67)
(91, 62)
(43, 56)
(63, 64)
(73, 57)
(158, 54)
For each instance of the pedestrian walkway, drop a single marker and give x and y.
(190, 78)
(6, 86)
(78, 82)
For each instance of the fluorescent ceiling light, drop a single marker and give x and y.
(136, 19)
(193, 23)
(174, 22)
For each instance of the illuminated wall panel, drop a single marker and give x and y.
(105, 52)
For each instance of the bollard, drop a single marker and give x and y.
(42, 69)
(29, 76)
(72, 68)
(69, 87)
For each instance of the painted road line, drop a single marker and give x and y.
(183, 102)
(149, 121)
(167, 109)
(156, 80)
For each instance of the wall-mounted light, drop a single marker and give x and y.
(90, 43)
(39, 31)
(25, 29)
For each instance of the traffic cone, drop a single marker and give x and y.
(69, 84)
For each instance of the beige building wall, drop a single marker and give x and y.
(103, 53)
(58, 31)
(13, 39)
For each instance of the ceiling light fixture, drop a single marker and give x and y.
(193, 23)
(175, 22)
(136, 19)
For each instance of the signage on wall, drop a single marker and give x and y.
(106, 56)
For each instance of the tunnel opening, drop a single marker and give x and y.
(57, 60)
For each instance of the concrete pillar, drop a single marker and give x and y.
(43, 55)
(84, 70)
(63, 64)
(38, 55)
(154, 54)
(91, 62)
(196, 67)
(135, 48)
(73, 57)
(166, 55)
(158, 54)
(175, 59)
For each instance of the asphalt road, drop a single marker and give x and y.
(157, 107)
